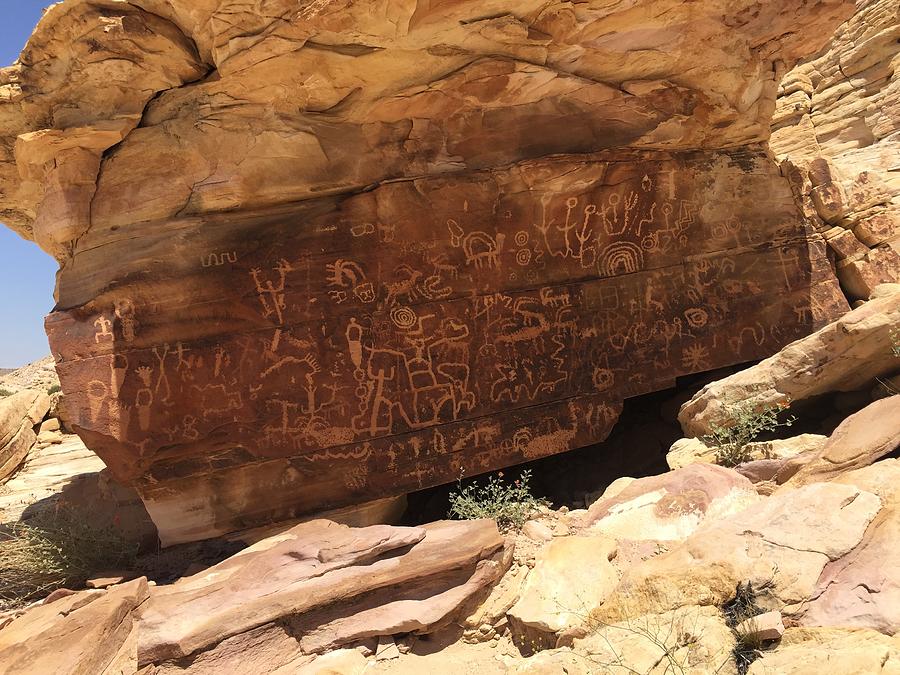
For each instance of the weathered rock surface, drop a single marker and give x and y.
(571, 579)
(87, 632)
(806, 651)
(686, 451)
(836, 125)
(671, 507)
(321, 585)
(20, 414)
(860, 440)
(269, 608)
(781, 543)
(843, 356)
(862, 589)
(317, 256)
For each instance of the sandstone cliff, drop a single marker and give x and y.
(316, 253)
(838, 126)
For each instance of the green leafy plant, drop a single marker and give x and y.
(510, 504)
(748, 421)
(57, 548)
(55, 388)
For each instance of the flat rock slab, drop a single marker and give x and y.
(82, 633)
(328, 584)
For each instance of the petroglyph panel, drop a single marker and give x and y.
(393, 339)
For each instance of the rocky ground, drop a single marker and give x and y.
(781, 564)
(39, 375)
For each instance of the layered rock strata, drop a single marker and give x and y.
(312, 256)
(837, 126)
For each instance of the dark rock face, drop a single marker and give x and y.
(269, 364)
(312, 258)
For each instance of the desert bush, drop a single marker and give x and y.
(895, 342)
(56, 548)
(55, 388)
(742, 607)
(5, 392)
(510, 504)
(748, 422)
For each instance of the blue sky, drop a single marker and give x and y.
(26, 272)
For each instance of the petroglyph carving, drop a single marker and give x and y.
(481, 249)
(104, 330)
(271, 293)
(218, 259)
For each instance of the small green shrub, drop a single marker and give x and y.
(5, 392)
(55, 388)
(510, 504)
(56, 548)
(749, 421)
(895, 342)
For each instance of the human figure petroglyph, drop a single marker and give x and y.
(271, 293)
(104, 330)
(143, 400)
(162, 377)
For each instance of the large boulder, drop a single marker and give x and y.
(318, 256)
(572, 577)
(862, 589)
(671, 506)
(843, 356)
(859, 440)
(781, 544)
(20, 414)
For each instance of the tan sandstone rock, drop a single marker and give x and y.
(671, 507)
(687, 451)
(859, 440)
(811, 651)
(19, 414)
(836, 126)
(862, 588)
(782, 543)
(571, 578)
(843, 356)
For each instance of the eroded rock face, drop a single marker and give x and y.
(316, 256)
(836, 125)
